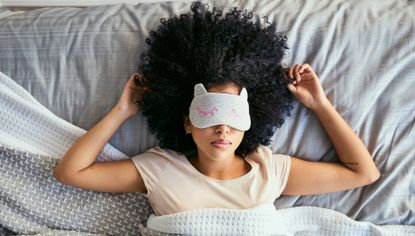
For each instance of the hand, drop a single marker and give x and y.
(132, 95)
(306, 87)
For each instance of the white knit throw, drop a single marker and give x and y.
(265, 220)
(28, 126)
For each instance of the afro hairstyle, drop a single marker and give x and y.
(205, 46)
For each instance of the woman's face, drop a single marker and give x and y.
(219, 141)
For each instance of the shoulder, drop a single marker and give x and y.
(159, 152)
(275, 166)
(265, 158)
(158, 156)
(163, 152)
(265, 153)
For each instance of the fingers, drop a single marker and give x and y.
(292, 76)
(292, 89)
(139, 85)
(304, 68)
(139, 80)
(291, 72)
(295, 72)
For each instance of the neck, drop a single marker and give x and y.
(226, 168)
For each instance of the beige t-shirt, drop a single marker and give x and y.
(175, 185)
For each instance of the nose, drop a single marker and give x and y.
(223, 129)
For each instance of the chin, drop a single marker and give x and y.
(218, 152)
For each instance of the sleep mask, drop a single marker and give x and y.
(209, 109)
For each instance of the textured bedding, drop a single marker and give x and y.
(32, 139)
(265, 220)
(75, 62)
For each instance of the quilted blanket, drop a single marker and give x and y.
(31, 200)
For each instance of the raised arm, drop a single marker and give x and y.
(79, 168)
(356, 167)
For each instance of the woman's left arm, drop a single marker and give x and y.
(356, 167)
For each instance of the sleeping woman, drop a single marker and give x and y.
(213, 90)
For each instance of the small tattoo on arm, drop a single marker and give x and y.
(351, 163)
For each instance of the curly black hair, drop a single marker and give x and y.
(203, 46)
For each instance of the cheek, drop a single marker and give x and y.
(237, 137)
(240, 136)
(199, 134)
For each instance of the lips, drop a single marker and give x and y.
(221, 143)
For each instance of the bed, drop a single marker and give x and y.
(74, 61)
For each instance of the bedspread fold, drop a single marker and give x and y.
(32, 140)
(266, 220)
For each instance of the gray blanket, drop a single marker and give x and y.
(32, 139)
(33, 202)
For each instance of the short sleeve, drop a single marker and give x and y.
(282, 165)
(150, 165)
(277, 167)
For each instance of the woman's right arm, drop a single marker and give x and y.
(79, 167)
